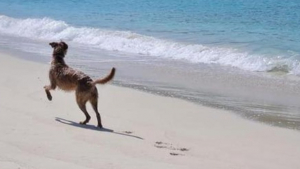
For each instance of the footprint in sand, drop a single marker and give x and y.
(169, 146)
(128, 132)
(176, 154)
(160, 144)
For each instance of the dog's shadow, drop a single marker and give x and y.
(91, 127)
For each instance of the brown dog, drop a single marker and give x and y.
(68, 79)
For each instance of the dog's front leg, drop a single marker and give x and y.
(47, 90)
(52, 86)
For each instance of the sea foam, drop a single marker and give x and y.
(130, 42)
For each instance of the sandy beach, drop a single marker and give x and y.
(141, 130)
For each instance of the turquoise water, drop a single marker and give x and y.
(239, 55)
(252, 35)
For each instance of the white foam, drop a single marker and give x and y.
(125, 41)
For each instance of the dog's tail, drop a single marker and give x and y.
(107, 78)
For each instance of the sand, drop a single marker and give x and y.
(142, 131)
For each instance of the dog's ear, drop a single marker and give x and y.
(53, 44)
(64, 45)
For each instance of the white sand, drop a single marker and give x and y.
(38, 134)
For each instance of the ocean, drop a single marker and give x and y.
(238, 55)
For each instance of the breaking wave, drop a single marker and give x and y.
(125, 41)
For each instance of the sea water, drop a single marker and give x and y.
(239, 55)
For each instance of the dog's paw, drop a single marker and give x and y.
(49, 96)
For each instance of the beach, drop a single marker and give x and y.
(199, 84)
(141, 130)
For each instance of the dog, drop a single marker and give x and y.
(69, 79)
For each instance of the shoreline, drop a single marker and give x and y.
(214, 97)
(252, 95)
(142, 130)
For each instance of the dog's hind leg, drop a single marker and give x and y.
(81, 103)
(94, 103)
(87, 116)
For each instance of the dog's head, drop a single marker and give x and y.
(59, 48)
